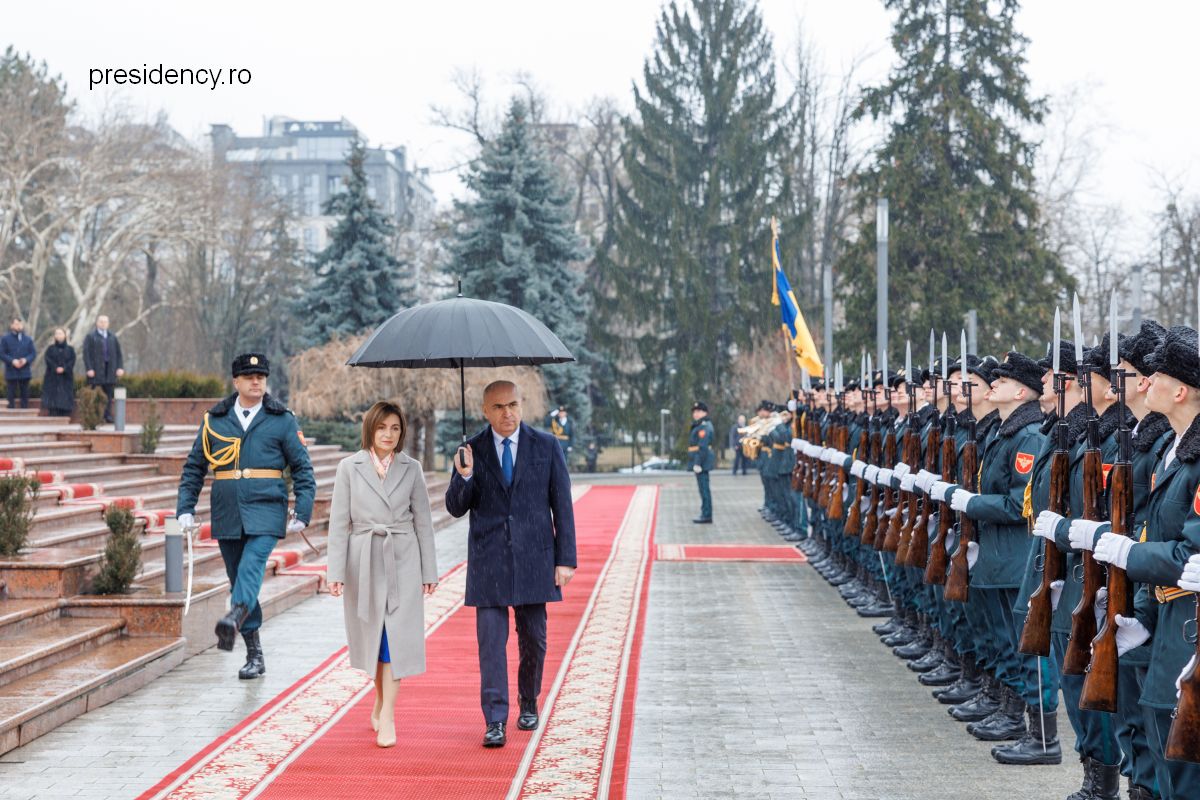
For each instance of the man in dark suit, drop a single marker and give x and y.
(17, 352)
(103, 362)
(521, 548)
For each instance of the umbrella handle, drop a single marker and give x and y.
(462, 388)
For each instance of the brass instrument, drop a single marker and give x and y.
(752, 434)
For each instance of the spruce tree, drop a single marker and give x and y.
(357, 276)
(517, 245)
(689, 282)
(958, 174)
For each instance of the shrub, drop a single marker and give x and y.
(122, 555)
(17, 493)
(90, 403)
(152, 429)
(346, 434)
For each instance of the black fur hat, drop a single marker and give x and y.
(986, 368)
(1066, 357)
(852, 385)
(765, 405)
(251, 364)
(1022, 369)
(1176, 355)
(1136, 349)
(1095, 359)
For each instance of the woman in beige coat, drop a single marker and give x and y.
(381, 556)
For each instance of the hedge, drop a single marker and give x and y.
(165, 385)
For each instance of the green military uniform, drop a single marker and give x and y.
(701, 459)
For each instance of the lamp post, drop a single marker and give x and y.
(662, 430)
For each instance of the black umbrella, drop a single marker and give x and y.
(461, 332)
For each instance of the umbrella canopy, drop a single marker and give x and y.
(461, 332)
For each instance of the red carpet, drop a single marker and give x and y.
(728, 552)
(322, 746)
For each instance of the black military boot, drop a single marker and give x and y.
(918, 647)
(908, 631)
(1107, 781)
(1089, 780)
(229, 625)
(879, 607)
(948, 670)
(1030, 748)
(255, 666)
(966, 687)
(931, 659)
(888, 628)
(1007, 722)
(1140, 792)
(981, 705)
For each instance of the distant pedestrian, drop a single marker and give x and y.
(103, 362)
(702, 458)
(58, 385)
(590, 455)
(735, 444)
(18, 353)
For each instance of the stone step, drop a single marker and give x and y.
(90, 535)
(18, 413)
(72, 462)
(44, 449)
(109, 472)
(30, 649)
(20, 614)
(39, 703)
(64, 517)
(23, 434)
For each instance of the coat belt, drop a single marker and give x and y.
(694, 448)
(1165, 594)
(361, 537)
(238, 474)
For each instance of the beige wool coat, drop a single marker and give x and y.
(381, 547)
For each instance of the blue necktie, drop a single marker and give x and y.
(506, 462)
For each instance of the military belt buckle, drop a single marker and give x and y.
(237, 473)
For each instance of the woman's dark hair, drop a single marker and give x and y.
(375, 416)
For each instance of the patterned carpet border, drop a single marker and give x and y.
(728, 552)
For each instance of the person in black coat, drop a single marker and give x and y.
(18, 353)
(513, 481)
(103, 362)
(58, 386)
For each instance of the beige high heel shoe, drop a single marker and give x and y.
(387, 735)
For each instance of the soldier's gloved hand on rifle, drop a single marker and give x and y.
(960, 499)
(798, 444)
(972, 555)
(791, 404)
(1101, 605)
(901, 469)
(829, 455)
(885, 477)
(907, 482)
(939, 489)
(1083, 533)
(296, 525)
(856, 469)
(812, 450)
(697, 469)
(924, 480)
(891, 512)
(1130, 633)
(864, 504)
(186, 521)
(1056, 588)
(871, 474)
(1188, 667)
(1190, 580)
(1113, 548)
(1045, 524)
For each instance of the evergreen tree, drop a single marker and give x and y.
(517, 244)
(357, 276)
(964, 222)
(689, 283)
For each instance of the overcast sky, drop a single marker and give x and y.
(382, 65)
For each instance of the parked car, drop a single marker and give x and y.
(655, 464)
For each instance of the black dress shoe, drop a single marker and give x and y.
(529, 715)
(918, 648)
(887, 628)
(494, 736)
(901, 637)
(703, 520)
(229, 625)
(943, 674)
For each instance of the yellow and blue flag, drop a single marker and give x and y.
(793, 320)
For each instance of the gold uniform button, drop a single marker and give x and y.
(237, 473)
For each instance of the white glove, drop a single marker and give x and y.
(1130, 632)
(907, 482)
(960, 498)
(1186, 669)
(791, 404)
(938, 490)
(856, 469)
(1045, 524)
(901, 470)
(798, 444)
(829, 455)
(891, 512)
(871, 474)
(924, 480)
(1113, 548)
(845, 492)
(697, 469)
(885, 477)
(1056, 589)
(1083, 533)
(864, 504)
(1190, 580)
(296, 525)
(186, 520)
(1101, 605)
(972, 555)
(811, 450)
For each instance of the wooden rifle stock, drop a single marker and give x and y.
(1083, 618)
(912, 457)
(1100, 684)
(797, 428)
(1183, 742)
(935, 568)
(959, 580)
(854, 517)
(1035, 636)
(918, 546)
(885, 492)
(871, 521)
(837, 503)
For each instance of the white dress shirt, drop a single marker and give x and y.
(243, 417)
(498, 441)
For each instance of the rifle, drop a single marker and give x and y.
(1035, 636)
(871, 521)
(1100, 684)
(935, 568)
(837, 503)
(959, 580)
(1083, 618)
(1183, 742)
(854, 517)
(918, 545)
(889, 497)
(798, 427)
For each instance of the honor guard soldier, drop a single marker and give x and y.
(702, 458)
(564, 431)
(247, 440)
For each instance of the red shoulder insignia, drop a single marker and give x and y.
(1023, 463)
(1196, 501)
(702, 433)
(1107, 469)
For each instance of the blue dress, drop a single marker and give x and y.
(384, 655)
